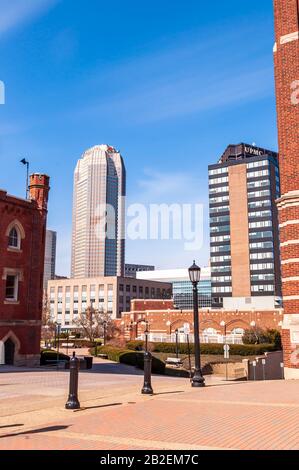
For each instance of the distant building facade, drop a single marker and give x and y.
(71, 297)
(132, 269)
(244, 236)
(182, 287)
(98, 240)
(22, 249)
(50, 257)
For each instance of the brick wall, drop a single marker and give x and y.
(166, 321)
(286, 58)
(20, 320)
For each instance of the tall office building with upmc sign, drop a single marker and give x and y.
(286, 57)
(245, 260)
(98, 242)
(50, 257)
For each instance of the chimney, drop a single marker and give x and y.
(39, 190)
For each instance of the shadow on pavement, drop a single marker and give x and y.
(11, 426)
(168, 393)
(36, 431)
(113, 368)
(84, 408)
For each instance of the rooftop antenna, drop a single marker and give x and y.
(25, 162)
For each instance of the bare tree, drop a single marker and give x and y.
(95, 324)
(48, 326)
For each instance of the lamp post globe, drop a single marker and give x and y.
(194, 275)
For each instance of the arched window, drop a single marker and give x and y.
(15, 234)
(14, 239)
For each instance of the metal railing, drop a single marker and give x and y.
(204, 338)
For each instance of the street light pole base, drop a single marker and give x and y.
(72, 404)
(147, 390)
(198, 381)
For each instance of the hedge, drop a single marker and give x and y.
(49, 355)
(129, 357)
(208, 348)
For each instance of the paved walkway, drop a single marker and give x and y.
(114, 415)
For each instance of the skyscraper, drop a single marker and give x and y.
(98, 244)
(245, 260)
(286, 57)
(50, 257)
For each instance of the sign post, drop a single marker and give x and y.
(226, 349)
(264, 372)
(254, 366)
(186, 333)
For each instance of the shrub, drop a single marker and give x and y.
(215, 349)
(129, 357)
(136, 345)
(49, 355)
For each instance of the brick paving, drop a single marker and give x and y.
(114, 415)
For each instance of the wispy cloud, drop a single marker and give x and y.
(179, 80)
(176, 187)
(16, 12)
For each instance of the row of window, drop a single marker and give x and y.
(257, 164)
(262, 277)
(254, 235)
(220, 189)
(261, 266)
(216, 200)
(258, 184)
(260, 224)
(218, 171)
(220, 259)
(220, 228)
(213, 181)
(222, 238)
(217, 249)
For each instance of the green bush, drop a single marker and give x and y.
(49, 355)
(129, 357)
(215, 349)
(136, 345)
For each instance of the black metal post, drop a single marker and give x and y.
(67, 344)
(177, 343)
(58, 337)
(105, 333)
(197, 379)
(189, 357)
(147, 385)
(73, 401)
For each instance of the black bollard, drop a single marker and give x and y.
(147, 386)
(73, 401)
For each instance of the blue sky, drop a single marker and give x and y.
(169, 83)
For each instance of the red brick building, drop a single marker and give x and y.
(286, 57)
(22, 247)
(164, 319)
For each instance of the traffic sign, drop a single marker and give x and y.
(226, 351)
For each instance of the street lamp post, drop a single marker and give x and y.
(197, 379)
(147, 384)
(177, 343)
(223, 324)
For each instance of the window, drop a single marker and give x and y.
(218, 171)
(13, 239)
(11, 292)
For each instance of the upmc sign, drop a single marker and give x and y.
(257, 152)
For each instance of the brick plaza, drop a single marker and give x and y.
(114, 415)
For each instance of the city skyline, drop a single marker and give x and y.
(161, 120)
